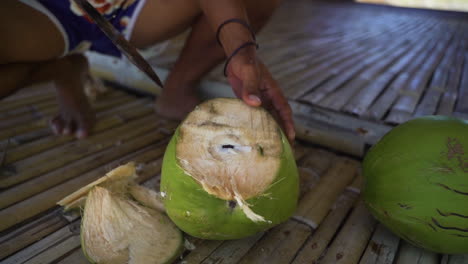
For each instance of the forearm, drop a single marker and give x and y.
(232, 35)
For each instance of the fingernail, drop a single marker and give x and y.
(254, 98)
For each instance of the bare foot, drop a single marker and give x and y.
(176, 106)
(75, 116)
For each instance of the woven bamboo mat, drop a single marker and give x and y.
(379, 63)
(38, 169)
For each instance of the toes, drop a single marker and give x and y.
(57, 125)
(69, 128)
(83, 127)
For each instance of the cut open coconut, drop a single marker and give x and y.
(117, 229)
(228, 172)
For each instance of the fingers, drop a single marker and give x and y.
(280, 109)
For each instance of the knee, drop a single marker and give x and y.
(260, 12)
(73, 64)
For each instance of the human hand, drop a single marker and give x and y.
(252, 82)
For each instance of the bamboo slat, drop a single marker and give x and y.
(448, 100)
(462, 106)
(125, 113)
(318, 242)
(352, 239)
(74, 257)
(21, 102)
(409, 254)
(437, 86)
(406, 103)
(201, 251)
(370, 131)
(348, 71)
(230, 252)
(31, 109)
(43, 122)
(43, 182)
(50, 248)
(338, 99)
(454, 259)
(302, 82)
(29, 233)
(382, 248)
(279, 245)
(61, 156)
(46, 200)
(360, 91)
(383, 103)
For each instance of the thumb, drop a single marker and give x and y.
(250, 93)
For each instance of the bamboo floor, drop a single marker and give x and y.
(331, 224)
(379, 63)
(351, 72)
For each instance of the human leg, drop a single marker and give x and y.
(200, 54)
(30, 53)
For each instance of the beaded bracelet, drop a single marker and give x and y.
(233, 20)
(246, 44)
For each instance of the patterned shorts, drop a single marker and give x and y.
(77, 28)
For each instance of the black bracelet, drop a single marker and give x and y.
(233, 20)
(248, 43)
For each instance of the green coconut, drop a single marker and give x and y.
(416, 183)
(228, 172)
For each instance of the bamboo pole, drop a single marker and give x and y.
(314, 206)
(353, 237)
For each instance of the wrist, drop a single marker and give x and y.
(242, 55)
(233, 33)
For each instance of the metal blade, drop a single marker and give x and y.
(119, 41)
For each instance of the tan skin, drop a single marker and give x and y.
(25, 60)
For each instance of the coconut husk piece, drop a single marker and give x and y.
(121, 180)
(116, 180)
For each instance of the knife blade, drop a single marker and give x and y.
(119, 41)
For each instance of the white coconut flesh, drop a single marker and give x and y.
(232, 150)
(118, 230)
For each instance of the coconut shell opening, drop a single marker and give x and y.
(118, 230)
(231, 149)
